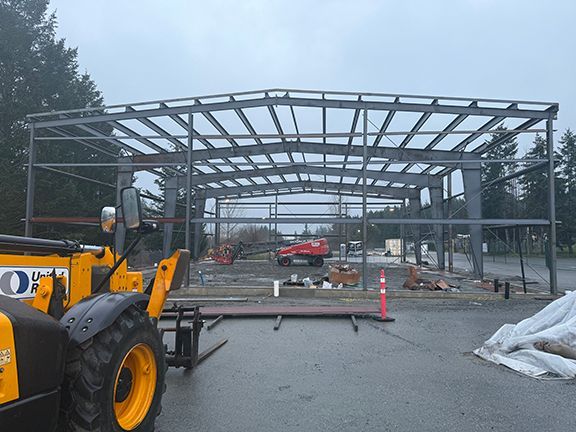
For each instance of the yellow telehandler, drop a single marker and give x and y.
(79, 345)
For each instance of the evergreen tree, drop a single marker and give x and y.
(497, 199)
(39, 73)
(567, 206)
(535, 183)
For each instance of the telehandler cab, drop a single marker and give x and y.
(79, 345)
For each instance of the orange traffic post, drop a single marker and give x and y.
(383, 315)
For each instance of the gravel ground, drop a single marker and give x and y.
(416, 374)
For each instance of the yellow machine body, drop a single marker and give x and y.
(8, 366)
(75, 272)
(56, 296)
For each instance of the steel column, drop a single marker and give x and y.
(28, 229)
(345, 227)
(437, 202)
(448, 211)
(189, 168)
(269, 223)
(276, 217)
(364, 204)
(339, 226)
(415, 209)
(217, 224)
(551, 205)
(473, 193)
(199, 207)
(403, 233)
(170, 198)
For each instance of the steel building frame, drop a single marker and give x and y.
(261, 148)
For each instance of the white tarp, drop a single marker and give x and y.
(513, 344)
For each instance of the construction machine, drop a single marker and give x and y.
(227, 253)
(79, 345)
(313, 252)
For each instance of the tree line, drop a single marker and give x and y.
(39, 73)
(527, 195)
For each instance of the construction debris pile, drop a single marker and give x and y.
(343, 274)
(305, 282)
(339, 275)
(414, 282)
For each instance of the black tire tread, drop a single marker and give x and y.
(85, 370)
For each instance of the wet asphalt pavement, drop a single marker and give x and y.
(416, 374)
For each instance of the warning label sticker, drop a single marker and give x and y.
(5, 356)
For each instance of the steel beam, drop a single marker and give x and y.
(246, 122)
(395, 177)
(376, 221)
(179, 146)
(385, 125)
(183, 124)
(119, 144)
(352, 127)
(316, 185)
(504, 136)
(85, 142)
(284, 164)
(286, 92)
(222, 131)
(280, 132)
(301, 190)
(406, 155)
(298, 135)
(77, 176)
(302, 102)
(419, 123)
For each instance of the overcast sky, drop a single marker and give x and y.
(144, 50)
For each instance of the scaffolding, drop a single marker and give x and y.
(283, 142)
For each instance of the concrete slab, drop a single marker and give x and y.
(416, 374)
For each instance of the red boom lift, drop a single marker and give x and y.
(313, 251)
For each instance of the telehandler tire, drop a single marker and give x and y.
(115, 380)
